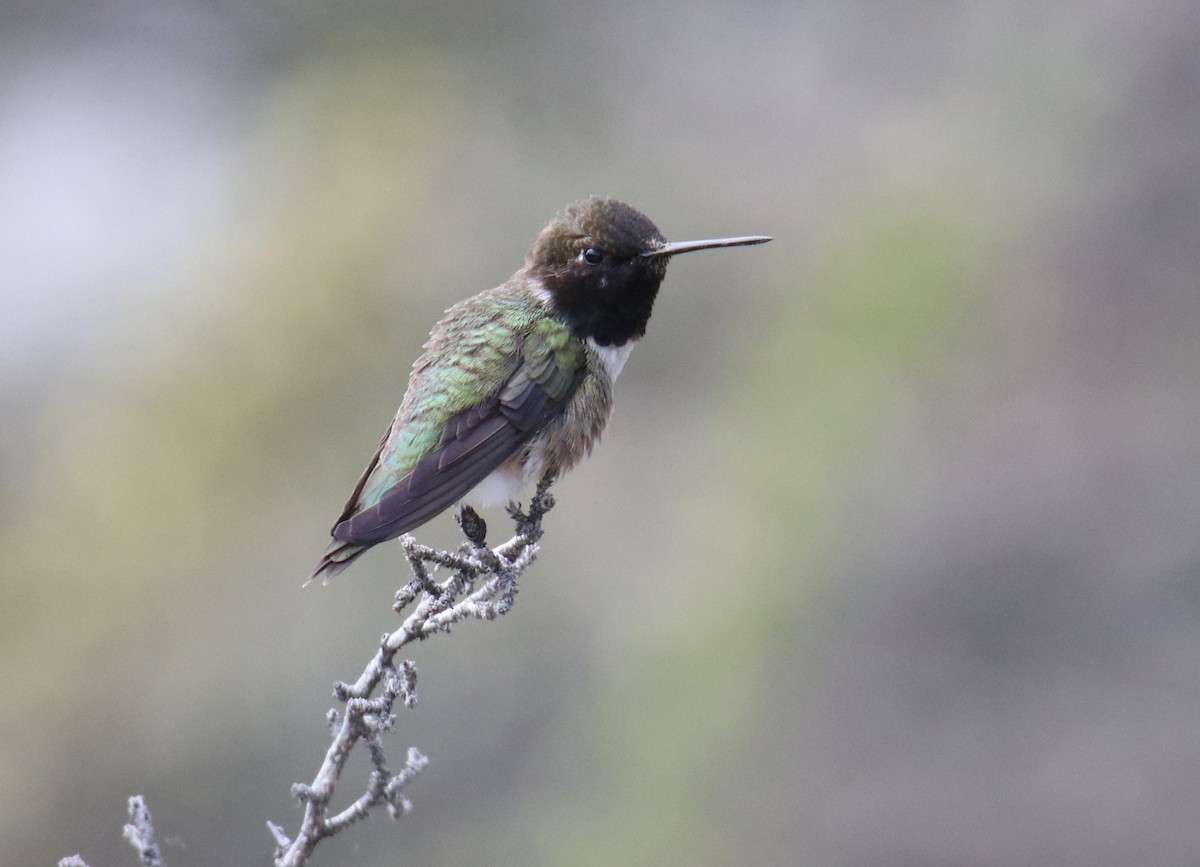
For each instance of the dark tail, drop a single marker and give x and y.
(337, 557)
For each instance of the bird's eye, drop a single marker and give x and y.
(593, 255)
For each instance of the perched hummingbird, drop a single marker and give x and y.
(516, 380)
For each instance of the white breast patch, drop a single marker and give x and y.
(612, 357)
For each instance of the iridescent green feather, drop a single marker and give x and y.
(498, 337)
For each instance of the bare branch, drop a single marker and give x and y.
(482, 585)
(140, 834)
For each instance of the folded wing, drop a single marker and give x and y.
(473, 442)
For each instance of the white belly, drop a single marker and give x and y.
(504, 484)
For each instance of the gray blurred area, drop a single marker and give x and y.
(891, 553)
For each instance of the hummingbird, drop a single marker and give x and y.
(515, 381)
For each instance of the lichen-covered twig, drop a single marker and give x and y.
(140, 834)
(482, 585)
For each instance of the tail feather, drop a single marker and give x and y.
(337, 557)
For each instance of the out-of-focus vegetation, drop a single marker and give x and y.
(889, 556)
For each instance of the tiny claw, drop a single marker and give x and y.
(473, 526)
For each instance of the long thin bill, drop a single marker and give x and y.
(672, 248)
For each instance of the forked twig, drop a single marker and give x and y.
(482, 585)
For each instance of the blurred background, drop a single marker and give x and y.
(889, 557)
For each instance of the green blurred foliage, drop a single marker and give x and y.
(895, 513)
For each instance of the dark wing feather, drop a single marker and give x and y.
(352, 503)
(474, 442)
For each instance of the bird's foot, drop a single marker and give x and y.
(473, 526)
(543, 501)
